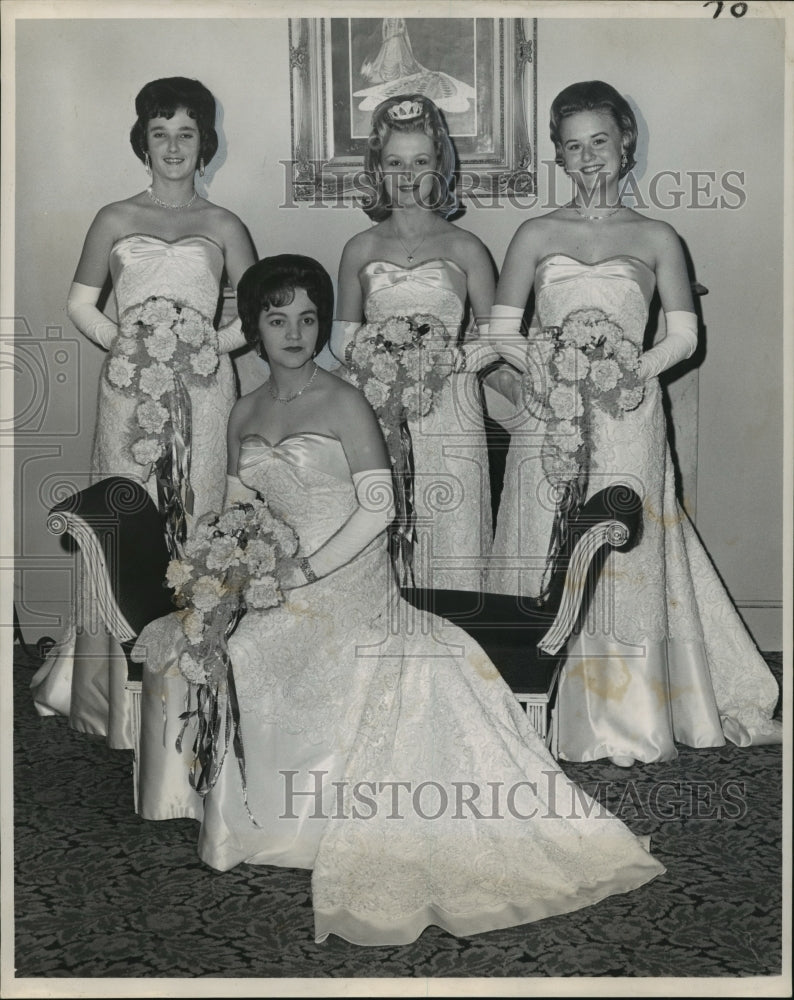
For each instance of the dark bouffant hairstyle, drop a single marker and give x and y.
(431, 123)
(594, 95)
(162, 99)
(271, 283)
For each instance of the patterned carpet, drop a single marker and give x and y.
(101, 893)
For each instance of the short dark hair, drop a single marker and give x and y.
(429, 122)
(594, 95)
(271, 283)
(162, 99)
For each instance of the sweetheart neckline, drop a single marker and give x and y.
(261, 437)
(595, 263)
(404, 267)
(163, 239)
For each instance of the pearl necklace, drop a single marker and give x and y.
(300, 392)
(595, 218)
(164, 204)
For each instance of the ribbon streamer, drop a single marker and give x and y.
(174, 492)
(218, 718)
(403, 534)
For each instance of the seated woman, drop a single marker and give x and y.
(380, 743)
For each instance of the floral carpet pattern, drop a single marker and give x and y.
(101, 893)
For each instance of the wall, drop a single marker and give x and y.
(710, 99)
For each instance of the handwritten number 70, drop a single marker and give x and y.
(737, 9)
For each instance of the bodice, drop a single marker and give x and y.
(305, 479)
(187, 269)
(437, 286)
(621, 286)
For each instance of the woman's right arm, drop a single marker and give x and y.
(89, 278)
(349, 299)
(512, 292)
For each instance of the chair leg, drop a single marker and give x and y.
(134, 689)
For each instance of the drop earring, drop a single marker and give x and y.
(147, 163)
(201, 167)
(624, 160)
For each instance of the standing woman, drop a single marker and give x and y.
(664, 656)
(169, 243)
(415, 261)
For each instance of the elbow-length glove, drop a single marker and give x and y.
(678, 345)
(375, 511)
(81, 308)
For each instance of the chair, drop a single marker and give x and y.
(120, 533)
(525, 637)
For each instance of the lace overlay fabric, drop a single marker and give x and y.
(663, 655)
(452, 483)
(379, 741)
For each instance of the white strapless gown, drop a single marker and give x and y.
(452, 483)
(663, 656)
(84, 677)
(381, 744)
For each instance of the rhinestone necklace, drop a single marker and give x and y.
(164, 204)
(300, 392)
(595, 218)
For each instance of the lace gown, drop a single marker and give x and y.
(381, 744)
(452, 484)
(85, 684)
(663, 656)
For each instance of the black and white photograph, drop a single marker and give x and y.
(397, 498)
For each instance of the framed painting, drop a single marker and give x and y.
(481, 72)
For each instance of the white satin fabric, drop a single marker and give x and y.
(84, 676)
(663, 657)
(452, 483)
(346, 685)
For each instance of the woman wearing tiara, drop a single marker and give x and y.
(664, 656)
(382, 749)
(413, 261)
(166, 249)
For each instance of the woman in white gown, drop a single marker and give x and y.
(664, 656)
(167, 242)
(383, 750)
(416, 261)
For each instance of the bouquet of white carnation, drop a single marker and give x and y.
(229, 563)
(592, 366)
(160, 345)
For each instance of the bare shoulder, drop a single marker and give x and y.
(360, 248)
(224, 222)
(468, 247)
(536, 233)
(659, 237)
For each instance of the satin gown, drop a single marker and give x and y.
(381, 745)
(663, 657)
(452, 483)
(84, 677)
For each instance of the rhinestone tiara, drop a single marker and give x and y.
(405, 110)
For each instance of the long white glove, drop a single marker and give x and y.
(81, 308)
(342, 334)
(678, 345)
(375, 511)
(504, 333)
(231, 336)
(237, 492)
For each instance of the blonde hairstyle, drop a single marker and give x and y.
(429, 122)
